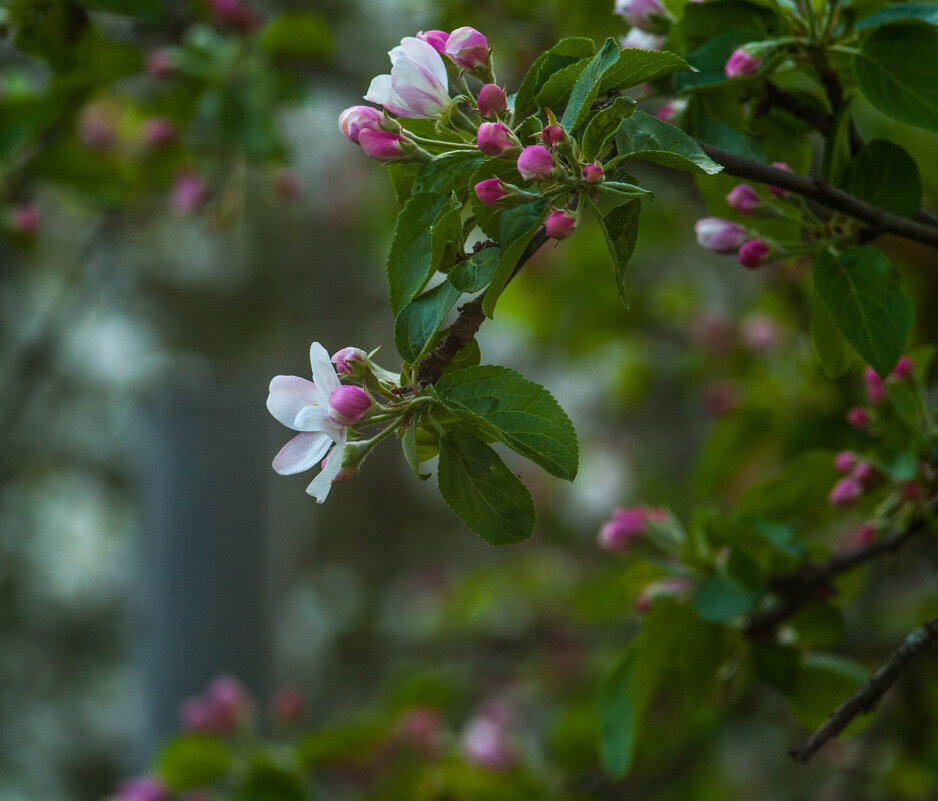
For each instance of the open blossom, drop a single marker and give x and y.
(468, 48)
(316, 409)
(417, 86)
(637, 39)
(720, 236)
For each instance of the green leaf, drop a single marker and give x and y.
(192, 760)
(924, 11)
(268, 782)
(490, 499)
(620, 230)
(642, 136)
(448, 172)
(148, 10)
(702, 22)
(803, 484)
(447, 234)
(410, 262)
(823, 683)
(557, 88)
(411, 452)
(708, 126)
(616, 715)
(709, 62)
(883, 174)
(402, 175)
(898, 72)
(476, 271)
(602, 126)
(829, 346)
(297, 34)
(418, 321)
(516, 228)
(718, 599)
(865, 296)
(567, 51)
(633, 67)
(508, 407)
(588, 85)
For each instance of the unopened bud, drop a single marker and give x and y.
(625, 525)
(468, 48)
(536, 163)
(189, 193)
(743, 198)
(348, 404)
(875, 387)
(593, 173)
(560, 224)
(356, 119)
(496, 139)
(904, 369)
(846, 492)
(866, 473)
(500, 195)
(553, 135)
(718, 235)
(492, 100)
(347, 359)
(159, 132)
(858, 417)
(844, 462)
(741, 63)
(436, 39)
(752, 254)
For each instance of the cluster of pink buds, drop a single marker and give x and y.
(724, 236)
(876, 388)
(859, 476)
(486, 741)
(223, 709)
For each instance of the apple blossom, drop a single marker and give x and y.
(752, 254)
(858, 417)
(743, 198)
(492, 100)
(345, 358)
(875, 387)
(904, 369)
(593, 173)
(845, 461)
(637, 39)
(718, 235)
(495, 139)
(436, 39)
(640, 13)
(846, 492)
(417, 86)
(536, 163)
(468, 48)
(356, 119)
(560, 224)
(741, 63)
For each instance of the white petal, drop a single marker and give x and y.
(324, 376)
(419, 90)
(301, 453)
(319, 487)
(380, 92)
(289, 394)
(316, 418)
(425, 56)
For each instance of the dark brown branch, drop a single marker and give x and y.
(466, 325)
(869, 695)
(823, 193)
(797, 108)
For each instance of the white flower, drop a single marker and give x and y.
(304, 406)
(417, 85)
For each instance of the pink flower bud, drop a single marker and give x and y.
(160, 64)
(639, 13)
(492, 191)
(382, 145)
(743, 198)
(719, 398)
(752, 254)
(759, 333)
(911, 491)
(495, 139)
(436, 39)
(779, 165)
(421, 729)
(637, 39)
(468, 48)
(904, 369)
(553, 135)
(858, 417)
(492, 100)
(560, 224)
(286, 705)
(26, 219)
(158, 132)
(345, 359)
(642, 603)
(741, 63)
(234, 14)
(672, 112)
(866, 473)
(625, 525)
(356, 119)
(287, 185)
(875, 387)
(720, 236)
(593, 173)
(189, 193)
(348, 404)
(865, 535)
(96, 129)
(536, 163)
(142, 788)
(846, 492)
(231, 699)
(844, 462)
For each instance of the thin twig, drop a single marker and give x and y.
(869, 695)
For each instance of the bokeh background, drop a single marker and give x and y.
(145, 543)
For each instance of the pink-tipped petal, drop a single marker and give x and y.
(324, 376)
(301, 453)
(289, 394)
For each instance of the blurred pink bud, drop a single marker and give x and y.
(560, 224)
(672, 112)
(348, 404)
(287, 185)
(911, 491)
(96, 129)
(779, 165)
(858, 417)
(436, 39)
(743, 198)
(468, 48)
(492, 100)
(356, 119)
(343, 359)
(26, 219)
(593, 173)
(485, 744)
(189, 193)
(752, 254)
(759, 333)
(158, 132)
(232, 699)
(625, 525)
(718, 235)
(642, 603)
(637, 39)
(421, 729)
(875, 387)
(142, 788)
(234, 14)
(741, 63)
(536, 163)
(382, 145)
(286, 705)
(495, 139)
(160, 64)
(846, 492)
(866, 473)
(719, 398)
(904, 369)
(553, 135)
(844, 462)
(865, 534)
(639, 13)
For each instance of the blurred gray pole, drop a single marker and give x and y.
(204, 561)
